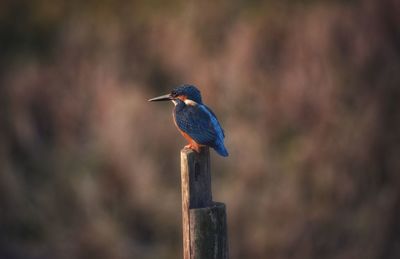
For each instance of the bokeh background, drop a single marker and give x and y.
(307, 91)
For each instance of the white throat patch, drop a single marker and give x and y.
(190, 102)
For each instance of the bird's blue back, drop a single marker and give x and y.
(201, 124)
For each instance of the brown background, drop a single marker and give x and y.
(307, 91)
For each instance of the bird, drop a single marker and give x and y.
(195, 121)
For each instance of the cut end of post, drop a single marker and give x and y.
(190, 151)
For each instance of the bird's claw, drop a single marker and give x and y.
(193, 147)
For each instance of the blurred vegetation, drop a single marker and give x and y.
(307, 92)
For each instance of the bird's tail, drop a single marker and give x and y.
(221, 149)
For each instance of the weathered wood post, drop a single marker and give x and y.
(204, 221)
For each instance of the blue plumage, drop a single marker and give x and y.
(190, 91)
(197, 123)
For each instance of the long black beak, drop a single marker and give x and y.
(166, 97)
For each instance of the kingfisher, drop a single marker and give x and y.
(194, 120)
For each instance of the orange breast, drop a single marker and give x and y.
(192, 143)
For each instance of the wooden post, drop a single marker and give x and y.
(204, 221)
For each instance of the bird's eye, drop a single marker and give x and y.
(173, 94)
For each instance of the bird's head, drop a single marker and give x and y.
(185, 93)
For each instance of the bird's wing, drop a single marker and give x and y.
(198, 123)
(215, 116)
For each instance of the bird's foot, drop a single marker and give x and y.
(193, 147)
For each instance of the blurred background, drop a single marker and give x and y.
(306, 90)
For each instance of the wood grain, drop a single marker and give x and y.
(203, 221)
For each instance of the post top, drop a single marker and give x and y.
(189, 151)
